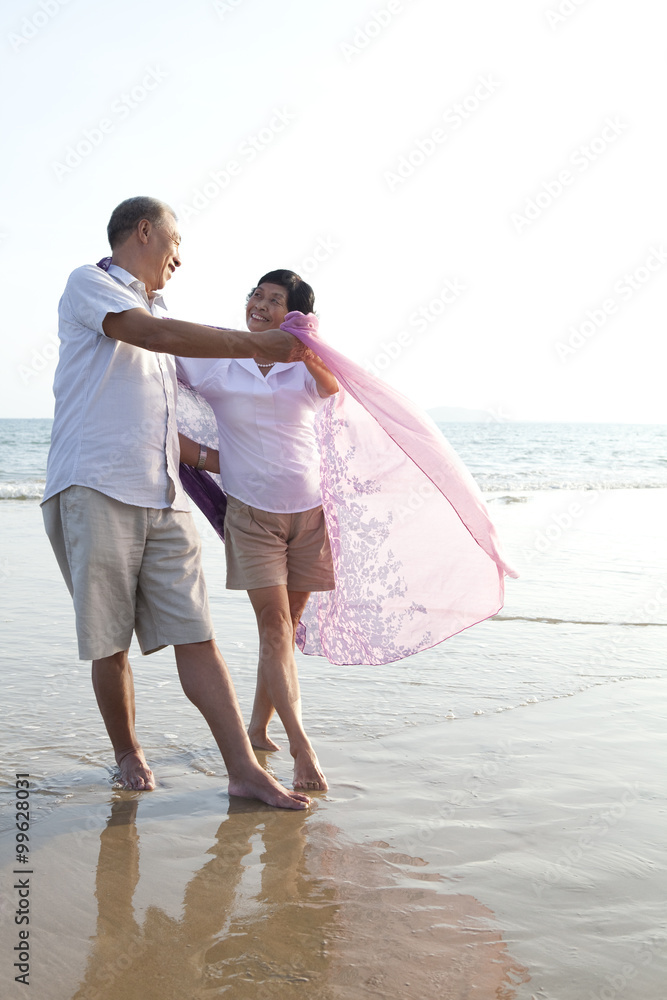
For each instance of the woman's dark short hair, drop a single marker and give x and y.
(300, 295)
(130, 212)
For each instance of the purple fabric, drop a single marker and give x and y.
(415, 553)
(196, 421)
(208, 496)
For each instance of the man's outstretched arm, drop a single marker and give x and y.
(192, 340)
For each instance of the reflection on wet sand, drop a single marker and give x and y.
(318, 917)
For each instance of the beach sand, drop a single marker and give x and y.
(495, 821)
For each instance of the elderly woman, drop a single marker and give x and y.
(276, 543)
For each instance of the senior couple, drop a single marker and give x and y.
(118, 518)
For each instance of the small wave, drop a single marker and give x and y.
(507, 499)
(495, 484)
(32, 489)
(572, 621)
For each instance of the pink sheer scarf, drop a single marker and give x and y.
(415, 554)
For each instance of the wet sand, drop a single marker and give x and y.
(494, 828)
(503, 863)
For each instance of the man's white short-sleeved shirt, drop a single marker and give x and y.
(114, 426)
(268, 451)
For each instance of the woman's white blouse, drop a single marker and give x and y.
(268, 452)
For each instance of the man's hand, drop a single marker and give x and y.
(277, 345)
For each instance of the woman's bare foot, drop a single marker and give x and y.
(257, 784)
(307, 771)
(134, 771)
(261, 740)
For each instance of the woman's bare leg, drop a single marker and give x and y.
(262, 713)
(277, 613)
(206, 681)
(263, 708)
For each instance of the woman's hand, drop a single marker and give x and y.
(190, 455)
(327, 384)
(325, 380)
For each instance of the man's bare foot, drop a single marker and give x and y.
(307, 771)
(261, 740)
(257, 784)
(134, 771)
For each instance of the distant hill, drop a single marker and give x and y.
(459, 415)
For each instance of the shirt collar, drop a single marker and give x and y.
(128, 279)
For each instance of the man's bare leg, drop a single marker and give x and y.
(278, 679)
(114, 690)
(206, 682)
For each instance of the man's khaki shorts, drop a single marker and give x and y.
(128, 568)
(264, 549)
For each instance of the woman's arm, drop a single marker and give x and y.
(190, 455)
(327, 384)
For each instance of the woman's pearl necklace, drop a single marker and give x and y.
(269, 365)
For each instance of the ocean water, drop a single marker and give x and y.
(579, 511)
(530, 727)
(24, 446)
(502, 456)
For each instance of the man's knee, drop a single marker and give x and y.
(204, 653)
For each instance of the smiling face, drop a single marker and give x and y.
(160, 251)
(164, 242)
(267, 308)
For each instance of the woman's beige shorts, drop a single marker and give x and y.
(264, 549)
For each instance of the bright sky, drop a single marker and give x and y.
(474, 190)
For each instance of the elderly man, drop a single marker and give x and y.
(114, 508)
